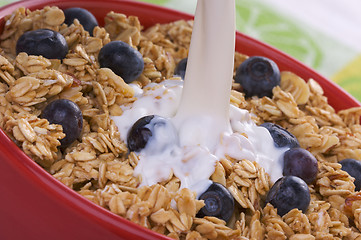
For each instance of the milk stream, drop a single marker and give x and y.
(207, 127)
(209, 72)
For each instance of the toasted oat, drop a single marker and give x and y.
(299, 89)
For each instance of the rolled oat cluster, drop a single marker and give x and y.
(99, 166)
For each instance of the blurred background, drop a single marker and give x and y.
(323, 34)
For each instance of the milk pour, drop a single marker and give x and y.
(208, 127)
(208, 77)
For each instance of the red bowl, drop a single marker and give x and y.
(34, 205)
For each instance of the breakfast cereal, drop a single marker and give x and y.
(99, 167)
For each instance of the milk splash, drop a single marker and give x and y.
(208, 127)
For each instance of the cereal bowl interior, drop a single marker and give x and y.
(35, 205)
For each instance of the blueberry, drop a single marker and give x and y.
(353, 168)
(43, 42)
(85, 18)
(124, 60)
(287, 193)
(68, 115)
(154, 131)
(180, 69)
(258, 76)
(301, 163)
(281, 137)
(218, 202)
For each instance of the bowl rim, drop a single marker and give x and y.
(104, 217)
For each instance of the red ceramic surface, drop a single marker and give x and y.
(33, 205)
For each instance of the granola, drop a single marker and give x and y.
(99, 167)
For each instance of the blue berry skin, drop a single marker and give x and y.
(86, 18)
(258, 76)
(218, 202)
(122, 59)
(301, 163)
(43, 42)
(353, 168)
(287, 193)
(67, 114)
(139, 134)
(281, 137)
(154, 131)
(180, 69)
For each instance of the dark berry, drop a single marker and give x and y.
(84, 17)
(301, 163)
(122, 59)
(287, 193)
(258, 76)
(281, 137)
(180, 69)
(68, 115)
(43, 42)
(353, 168)
(218, 202)
(154, 131)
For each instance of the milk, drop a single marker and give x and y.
(207, 127)
(194, 163)
(209, 72)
